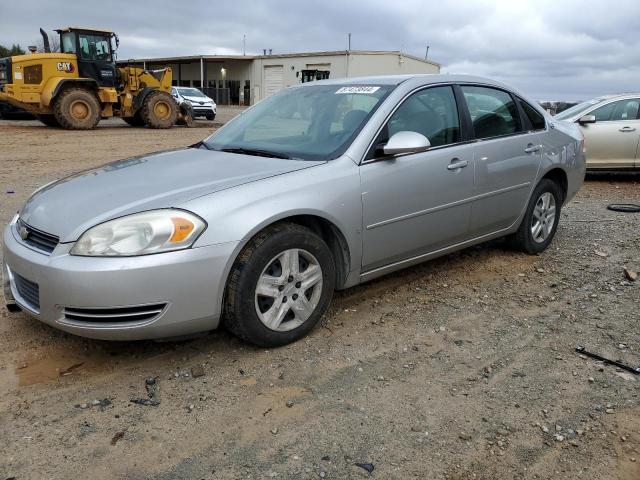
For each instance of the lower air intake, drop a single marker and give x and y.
(138, 313)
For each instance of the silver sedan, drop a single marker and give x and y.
(320, 187)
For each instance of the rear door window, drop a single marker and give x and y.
(493, 112)
(618, 111)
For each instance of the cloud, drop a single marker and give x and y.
(572, 49)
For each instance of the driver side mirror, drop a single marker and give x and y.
(406, 142)
(587, 119)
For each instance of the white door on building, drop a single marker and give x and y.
(273, 79)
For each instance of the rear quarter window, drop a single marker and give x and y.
(536, 119)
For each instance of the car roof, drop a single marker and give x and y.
(427, 78)
(617, 96)
(418, 80)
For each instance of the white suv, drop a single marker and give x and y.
(203, 106)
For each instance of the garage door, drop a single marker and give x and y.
(273, 79)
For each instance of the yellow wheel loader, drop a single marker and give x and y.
(77, 87)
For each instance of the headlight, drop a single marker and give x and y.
(141, 234)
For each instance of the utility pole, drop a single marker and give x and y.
(244, 44)
(349, 42)
(426, 55)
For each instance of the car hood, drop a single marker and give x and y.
(68, 207)
(197, 99)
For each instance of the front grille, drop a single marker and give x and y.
(33, 74)
(36, 238)
(5, 71)
(138, 313)
(28, 290)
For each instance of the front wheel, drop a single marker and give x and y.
(541, 219)
(211, 116)
(280, 286)
(159, 110)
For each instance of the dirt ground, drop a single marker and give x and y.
(461, 368)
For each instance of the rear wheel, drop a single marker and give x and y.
(77, 109)
(280, 286)
(159, 110)
(49, 120)
(540, 222)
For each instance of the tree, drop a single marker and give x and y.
(9, 52)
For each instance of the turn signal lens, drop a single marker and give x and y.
(182, 228)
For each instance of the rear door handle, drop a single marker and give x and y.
(627, 129)
(532, 148)
(456, 164)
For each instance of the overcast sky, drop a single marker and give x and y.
(549, 49)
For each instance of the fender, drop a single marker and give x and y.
(350, 274)
(55, 85)
(140, 97)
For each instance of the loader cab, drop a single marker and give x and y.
(95, 53)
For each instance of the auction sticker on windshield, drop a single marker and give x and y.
(358, 90)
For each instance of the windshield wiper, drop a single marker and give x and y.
(200, 145)
(256, 152)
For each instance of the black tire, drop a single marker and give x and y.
(211, 116)
(159, 110)
(240, 312)
(524, 239)
(77, 109)
(186, 120)
(134, 121)
(186, 114)
(49, 120)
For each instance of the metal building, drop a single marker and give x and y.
(244, 79)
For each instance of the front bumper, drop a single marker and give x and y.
(203, 109)
(188, 282)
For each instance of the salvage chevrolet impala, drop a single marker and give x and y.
(320, 187)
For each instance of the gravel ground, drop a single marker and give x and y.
(461, 368)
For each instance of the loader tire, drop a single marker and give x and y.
(134, 121)
(77, 109)
(159, 110)
(49, 120)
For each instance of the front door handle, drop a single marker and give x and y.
(457, 163)
(627, 129)
(531, 148)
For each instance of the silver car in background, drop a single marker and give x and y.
(611, 126)
(320, 187)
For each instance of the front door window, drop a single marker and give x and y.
(95, 47)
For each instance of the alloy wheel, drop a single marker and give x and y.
(288, 290)
(543, 218)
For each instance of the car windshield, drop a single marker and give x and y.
(190, 92)
(315, 122)
(576, 109)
